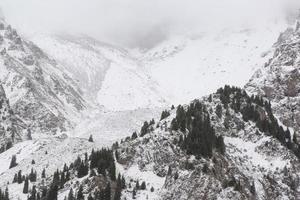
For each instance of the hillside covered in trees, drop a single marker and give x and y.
(223, 142)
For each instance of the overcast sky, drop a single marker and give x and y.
(138, 23)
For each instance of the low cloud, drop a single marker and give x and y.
(139, 23)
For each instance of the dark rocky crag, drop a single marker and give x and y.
(12, 129)
(279, 79)
(42, 95)
(258, 161)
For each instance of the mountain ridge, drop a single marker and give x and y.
(226, 145)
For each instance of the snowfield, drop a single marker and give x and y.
(199, 66)
(174, 72)
(108, 127)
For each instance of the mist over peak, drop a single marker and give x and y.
(141, 23)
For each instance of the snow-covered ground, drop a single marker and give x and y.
(175, 71)
(48, 153)
(189, 68)
(124, 88)
(134, 174)
(108, 75)
(108, 127)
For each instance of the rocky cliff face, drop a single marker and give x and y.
(255, 165)
(12, 129)
(279, 79)
(43, 96)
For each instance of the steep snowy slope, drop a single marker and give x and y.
(279, 79)
(245, 154)
(41, 94)
(48, 153)
(174, 71)
(12, 129)
(108, 75)
(254, 163)
(91, 88)
(108, 127)
(188, 67)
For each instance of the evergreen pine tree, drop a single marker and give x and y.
(13, 162)
(117, 195)
(123, 183)
(134, 135)
(33, 193)
(56, 179)
(219, 110)
(29, 137)
(252, 188)
(6, 195)
(137, 185)
(80, 194)
(295, 138)
(44, 173)
(32, 176)
(20, 178)
(90, 197)
(15, 178)
(205, 168)
(143, 186)
(52, 193)
(169, 171)
(164, 114)
(220, 145)
(176, 175)
(62, 179)
(133, 194)
(174, 125)
(117, 155)
(91, 138)
(144, 129)
(38, 196)
(65, 167)
(44, 193)
(68, 175)
(26, 185)
(71, 195)
(112, 171)
(210, 98)
(107, 192)
(92, 173)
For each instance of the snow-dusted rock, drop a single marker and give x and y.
(12, 129)
(41, 94)
(279, 79)
(254, 166)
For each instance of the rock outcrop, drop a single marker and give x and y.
(41, 94)
(279, 79)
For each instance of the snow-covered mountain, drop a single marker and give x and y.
(44, 153)
(257, 162)
(108, 75)
(169, 73)
(12, 129)
(227, 145)
(279, 79)
(195, 66)
(42, 95)
(244, 154)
